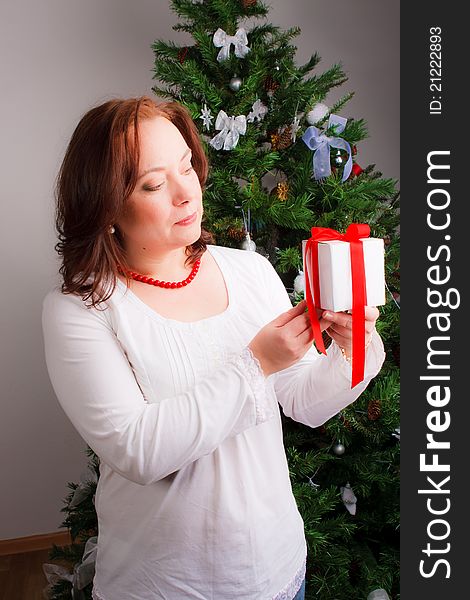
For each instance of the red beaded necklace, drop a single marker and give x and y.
(171, 285)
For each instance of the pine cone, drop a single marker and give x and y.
(270, 85)
(374, 410)
(248, 3)
(281, 191)
(182, 54)
(274, 140)
(285, 138)
(236, 234)
(354, 570)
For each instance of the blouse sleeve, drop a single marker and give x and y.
(143, 442)
(317, 387)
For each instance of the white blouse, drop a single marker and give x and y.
(194, 499)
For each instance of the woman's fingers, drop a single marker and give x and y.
(341, 322)
(287, 317)
(338, 325)
(372, 313)
(298, 325)
(347, 331)
(306, 337)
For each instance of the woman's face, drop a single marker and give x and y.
(166, 194)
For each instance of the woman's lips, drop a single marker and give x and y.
(187, 220)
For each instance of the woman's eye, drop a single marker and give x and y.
(155, 188)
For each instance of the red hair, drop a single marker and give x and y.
(98, 174)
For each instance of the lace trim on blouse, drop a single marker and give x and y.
(291, 589)
(250, 366)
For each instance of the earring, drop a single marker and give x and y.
(111, 229)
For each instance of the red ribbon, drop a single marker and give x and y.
(356, 169)
(353, 235)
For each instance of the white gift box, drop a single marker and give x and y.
(334, 265)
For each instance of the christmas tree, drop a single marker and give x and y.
(71, 574)
(256, 110)
(257, 113)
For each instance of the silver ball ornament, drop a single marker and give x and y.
(339, 449)
(378, 594)
(248, 244)
(318, 112)
(235, 83)
(338, 159)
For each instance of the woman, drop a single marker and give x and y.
(173, 371)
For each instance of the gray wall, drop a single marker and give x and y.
(58, 58)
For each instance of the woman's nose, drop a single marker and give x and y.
(181, 189)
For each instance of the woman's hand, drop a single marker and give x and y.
(284, 341)
(339, 327)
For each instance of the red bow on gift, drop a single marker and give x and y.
(353, 235)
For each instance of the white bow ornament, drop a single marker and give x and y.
(348, 498)
(83, 572)
(258, 111)
(82, 491)
(223, 41)
(231, 129)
